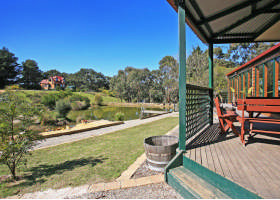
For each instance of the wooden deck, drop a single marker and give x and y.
(255, 167)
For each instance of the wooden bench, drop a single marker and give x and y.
(258, 105)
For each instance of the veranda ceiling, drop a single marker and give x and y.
(229, 21)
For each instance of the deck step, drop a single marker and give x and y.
(189, 185)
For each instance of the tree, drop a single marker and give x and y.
(52, 72)
(9, 68)
(31, 75)
(241, 53)
(16, 142)
(169, 70)
(197, 66)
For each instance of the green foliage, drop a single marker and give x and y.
(13, 87)
(79, 102)
(241, 53)
(49, 100)
(48, 118)
(63, 107)
(119, 116)
(80, 118)
(98, 99)
(31, 75)
(16, 143)
(79, 105)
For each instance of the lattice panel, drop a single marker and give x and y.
(198, 106)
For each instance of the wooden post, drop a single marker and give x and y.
(254, 80)
(236, 88)
(276, 75)
(249, 81)
(239, 86)
(182, 77)
(243, 86)
(258, 82)
(229, 94)
(211, 81)
(265, 80)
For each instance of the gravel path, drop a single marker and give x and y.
(83, 135)
(144, 171)
(153, 191)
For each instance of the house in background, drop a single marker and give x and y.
(53, 83)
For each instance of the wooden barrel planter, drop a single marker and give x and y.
(160, 150)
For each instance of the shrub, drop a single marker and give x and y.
(80, 118)
(63, 107)
(79, 102)
(13, 87)
(76, 105)
(98, 99)
(119, 116)
(49, 100)
(48, 117)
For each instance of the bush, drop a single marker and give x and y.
(119, 116)
(79, 102)
(76, 105)
(98, 99)
(80, 118)
(13, 87)
(63, 107)
(49, 100)
(48, 118)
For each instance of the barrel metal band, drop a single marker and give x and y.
(156, 162)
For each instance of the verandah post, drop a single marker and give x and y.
(211, 81)
(182, 76)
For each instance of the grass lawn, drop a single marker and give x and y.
(97, 159)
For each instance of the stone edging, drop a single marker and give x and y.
(128, 183)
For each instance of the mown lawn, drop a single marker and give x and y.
(97, 159)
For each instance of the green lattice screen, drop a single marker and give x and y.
(197, 108)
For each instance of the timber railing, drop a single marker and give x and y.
(199, 108)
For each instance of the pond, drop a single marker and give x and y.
(108, 113)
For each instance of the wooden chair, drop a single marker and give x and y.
(226, 120)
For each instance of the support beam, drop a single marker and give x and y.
(227, 11)
(276, 75)
(211, 81)
(254, 81)
(182, 78)
(247, 18)
(258, 82)
(264, 80)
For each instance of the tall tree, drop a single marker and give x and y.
(169, 69)
(197, 65)
(9, 68)
(31, 75)
(241, 53)
(52, 72)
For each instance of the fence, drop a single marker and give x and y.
(198, 108)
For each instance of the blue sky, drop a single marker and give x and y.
(104, 35)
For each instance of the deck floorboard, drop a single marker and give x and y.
(255, 166)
